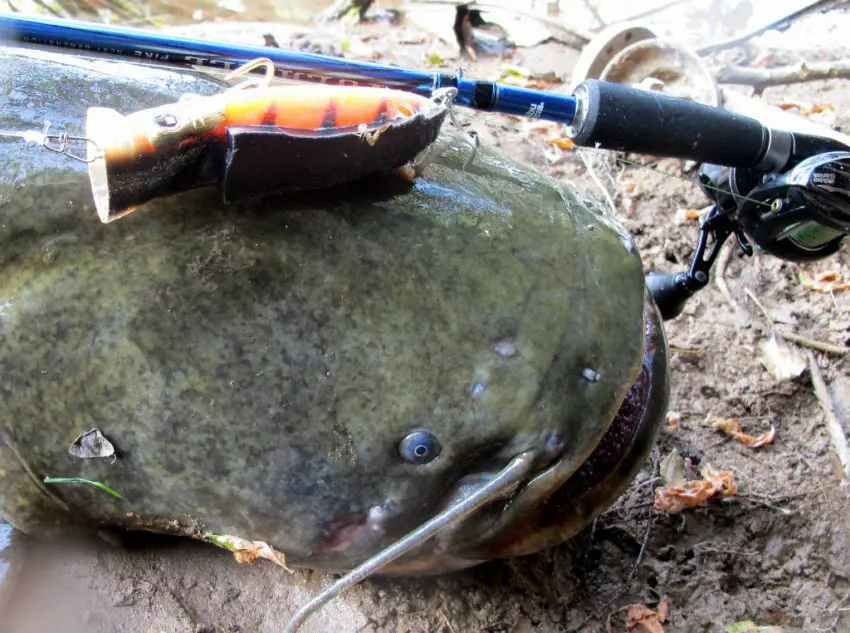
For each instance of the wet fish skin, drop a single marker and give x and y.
(256, 365)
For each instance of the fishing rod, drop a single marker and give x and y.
(598, 114)
(148, 45)
(786, 192)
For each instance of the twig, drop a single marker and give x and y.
(720, 278)
(762, 502)
(595, 13)
(795, 338)
(646, 14)
(829, 348)
(841, 602)
(833, 425)
(649, 523)
(768, 319)
(763, 77)
(735, 41)
(443, 615)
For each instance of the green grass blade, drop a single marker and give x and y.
(80, 480)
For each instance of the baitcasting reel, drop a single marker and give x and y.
(788, 193)
(799, 214)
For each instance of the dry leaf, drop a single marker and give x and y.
(830, 281)
(748, 626)
(90, 445)
(663, 610)
(674, 421)
(633, 188)
(245, 551)
(672, 470)
(642, 619)
(780, 359)
(732, 427)
(817, 108)
(675, 499)
(683, 215)
(563, 143)
(722, 481)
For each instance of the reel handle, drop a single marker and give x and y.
(617, 117)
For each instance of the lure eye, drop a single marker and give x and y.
(166, 120)
(419, 447)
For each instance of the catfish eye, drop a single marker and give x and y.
(419, 447)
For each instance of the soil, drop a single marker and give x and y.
(777, 553)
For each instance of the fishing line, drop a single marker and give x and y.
(690, 180)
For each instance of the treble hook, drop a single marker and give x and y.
(58, 143)
(260, 62)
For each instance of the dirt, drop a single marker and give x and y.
(778, 553)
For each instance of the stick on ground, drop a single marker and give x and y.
(833, 424)
(763, 77)
(720, 281)
(805, 341)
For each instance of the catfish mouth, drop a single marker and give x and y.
(553, 504)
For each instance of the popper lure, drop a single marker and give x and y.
(255, 139)
(250, 140)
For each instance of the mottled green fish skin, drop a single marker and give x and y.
(256, 365)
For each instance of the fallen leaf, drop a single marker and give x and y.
(748, 626)
(817, 108)
(672, 470)
(90, 445)
(675, 499)
(780, 359)
(732, 427)
(509, 70)
(722, 481)
(518, 76)
(684, 215)
(674, 421)
(563, 143)
(633, 188)
(433, 59)
(642, 619)
(830, 281)
(245, 551)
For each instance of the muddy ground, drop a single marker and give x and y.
(778, 553)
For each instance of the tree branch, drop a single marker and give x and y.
(817, 5)
(764, 77)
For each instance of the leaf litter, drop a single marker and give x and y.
(826, 282)
(245, 551)
(642, 619)
(783, 361)
(732, 427)
(695, 494)
(748, 626)
(90, 445)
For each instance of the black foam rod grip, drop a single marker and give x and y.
(617, 117)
